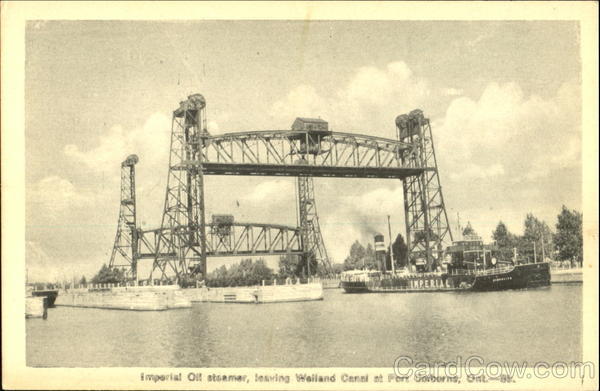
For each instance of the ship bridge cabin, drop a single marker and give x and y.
(310, 132)
(471, 254)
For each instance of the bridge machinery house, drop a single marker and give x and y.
(310, 124)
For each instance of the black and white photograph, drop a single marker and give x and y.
(323, 200)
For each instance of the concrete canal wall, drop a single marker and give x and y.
(256, 294)
(164, 297)
(140, 298)
(331, 283)
(566, 276)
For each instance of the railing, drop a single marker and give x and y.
(108, 286)
(482, 272)
(566, 265)
(272, 282)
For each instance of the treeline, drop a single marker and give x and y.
(247, 272)
(252, 272)
(364, 257)
(564, 244)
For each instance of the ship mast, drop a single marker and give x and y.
(391, 248)
(543, 249)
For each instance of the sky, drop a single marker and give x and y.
(503, 99)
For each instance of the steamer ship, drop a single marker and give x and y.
(469, 265)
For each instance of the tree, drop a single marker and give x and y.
(288, 265)
(400, 251)
(569, 236)
(291, 265)
(246, 273)
(82, 281)
(360, 257)
(370, 260)
(108, 275)
(355, 259)
(505, 241)
(337, 268)
(314, 268)
(538, 232)
(501, 236)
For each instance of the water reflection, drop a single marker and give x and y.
(341, 331)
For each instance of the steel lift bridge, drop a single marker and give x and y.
(182, 244)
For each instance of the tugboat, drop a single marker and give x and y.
(469, 266)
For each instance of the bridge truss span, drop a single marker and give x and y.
(304, 153)
(224, 240)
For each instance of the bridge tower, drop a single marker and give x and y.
(312, 240)
(181, 246)
(309, 133)
(123, 254)
(424, 211)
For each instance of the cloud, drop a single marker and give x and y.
(507, 153)
(368, 102)
(43, 268)
(302, 101)
(272, 191)
(213, 127)
(451, 91)
(53, 195)
(150, 142)
(506, 132)
(472, 171)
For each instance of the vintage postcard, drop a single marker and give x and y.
(300, 195)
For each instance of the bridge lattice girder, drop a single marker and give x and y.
(303, 153)
(231, 240)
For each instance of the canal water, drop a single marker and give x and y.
(343, 330)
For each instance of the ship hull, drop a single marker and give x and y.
(525, 276)
(532, 275)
